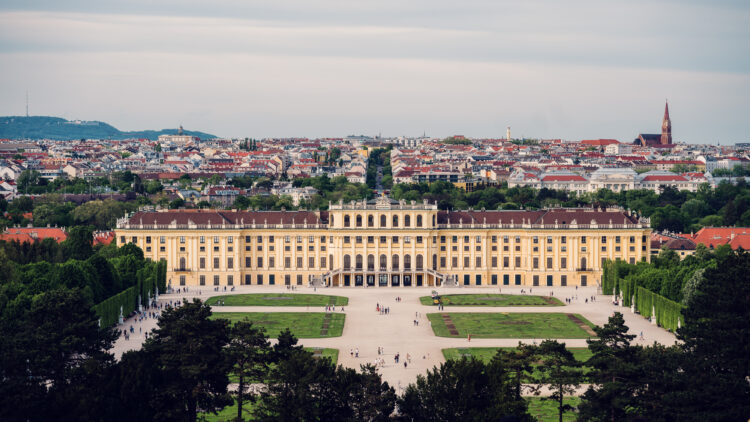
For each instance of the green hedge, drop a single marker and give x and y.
(152, 274)
(668, 312)
(109, 309)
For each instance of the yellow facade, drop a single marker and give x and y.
(387, 243)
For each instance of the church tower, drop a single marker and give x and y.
(666, 127)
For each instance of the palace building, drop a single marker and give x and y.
(383, 242)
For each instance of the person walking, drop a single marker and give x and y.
(356, 352)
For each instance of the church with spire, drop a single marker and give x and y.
(663, 140)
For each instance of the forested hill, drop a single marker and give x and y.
(43, 127)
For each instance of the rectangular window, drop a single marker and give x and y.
(287, 279)
(260, 239)
(358, 239)
(604, 239)
(494, 279)
(442, 239)
(162, 239)
(584, 280)
(260, 262)
(563, 239)
(271, 262)
(478, 260)
(148, 239)
(466, 262)
(216, 263)
(518, 262)
(299, 262)
(506, 239)
(299, 279)
(248, 239)
(454, 262)
(419, 239)
(394, 239)
(202, 239)
(230, 263)
(216, 280)
(370, 239)
(478, 279)
(467, 279)
(202, 262)
(563, 262)
(322, 239)
(162, 249)
(322, 262)
(563, 280)
(617, 239)
(407, 239)
(287, 239)
(347, 239)
(216, 239)
(583, 239)
(494, 239)
(549, 280)
(506, 262)
(535, 280)
(287, 262)
(201, 280)
(259, 279)
(248, 279)
(549, 262)
(494, 262)
(466, 239)
(248, 262)
(311, 262)
(442, 262)
(230, 239)
(535, 239)
(271, 279)
(383, 239)
(230, 280)
(506, 279)
(535, 262)
(549, 240)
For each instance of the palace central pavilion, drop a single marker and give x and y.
(383, 242)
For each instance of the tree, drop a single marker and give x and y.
(27, 179)
(248, 354)
(715, 337)
(78, 245)
(189, 351)
(615, 375)
(518, 364)
(466, 390)
(560, 371)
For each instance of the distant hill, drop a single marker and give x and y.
(43, 127)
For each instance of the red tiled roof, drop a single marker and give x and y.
(599, 142)
(717, 236)
(563, 178)
(39, 232)
(664, 178)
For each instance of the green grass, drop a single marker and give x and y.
(301, 324)
(493, 300)
(510, 325)
(486, 354)
(279, 299)
(546, 410)
(228, 413)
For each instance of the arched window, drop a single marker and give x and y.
(347, 223)
(383, 262)
(583, 263)
(419, 220)
(395, 221)
(359, 221)
(394, 262)
(407, 220)
(358, 262)
(434, 262)
(347, 262)
(382, 221)
(407, 262)
(182, 263)
(371, 262)
(370, 221)
(420, 263)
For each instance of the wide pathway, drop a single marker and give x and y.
(366, 329)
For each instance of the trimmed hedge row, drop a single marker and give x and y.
(109, 309)
(152, 274)
(668, 312)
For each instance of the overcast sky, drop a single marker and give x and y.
(257, 68)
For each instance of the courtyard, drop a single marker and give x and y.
(366, 330)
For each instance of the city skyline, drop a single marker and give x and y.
(288, 69)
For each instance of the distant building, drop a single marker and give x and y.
(658, 140)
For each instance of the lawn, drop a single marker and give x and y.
(279, 299)
(493, 300)
(546, 410)
(302, 324)
(228, 413)
(486, 354)
(509, 325)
